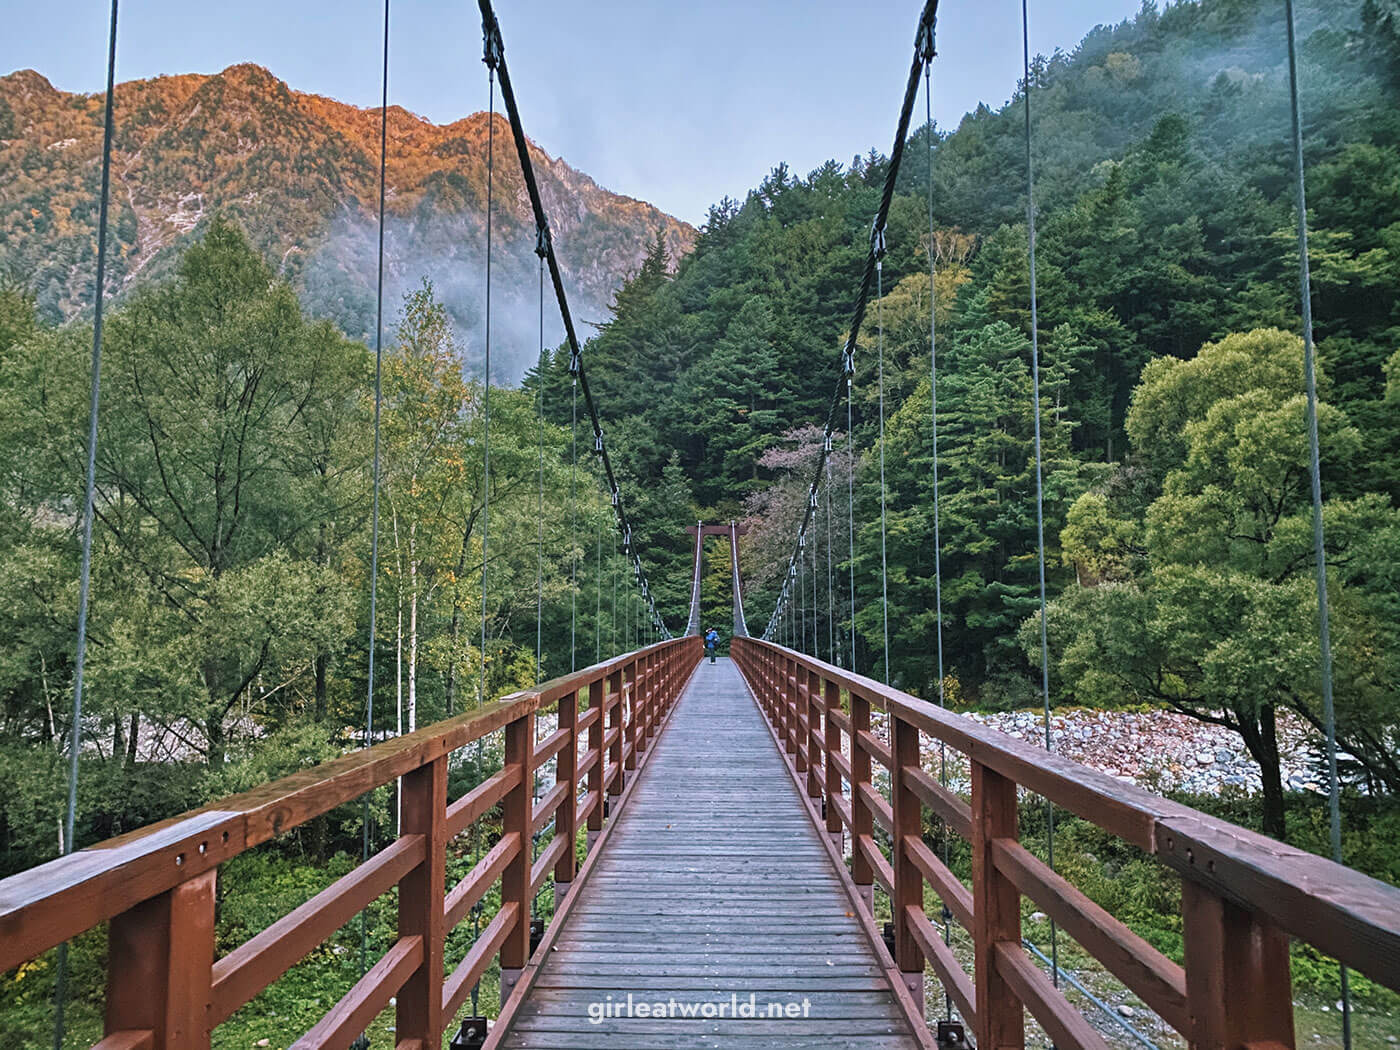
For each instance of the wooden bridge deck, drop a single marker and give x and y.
(713, 884)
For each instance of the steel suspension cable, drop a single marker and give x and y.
(880, 342)
(1039, 466)
(492, 32)
(376, 467)
(486, 390)
(1324, 627)
(70, 815)
(867, 285)
(930, 54)
(830, 606)
(598, 608)
(573, 533)
(539, 505)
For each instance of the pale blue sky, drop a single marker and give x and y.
(678, 103)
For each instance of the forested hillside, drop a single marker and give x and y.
(1176, 497)
(300, 173)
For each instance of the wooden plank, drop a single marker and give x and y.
(459, 985)
(949, 888)
(362, 1003)
(950, 809)
(418, 1009)
(544, 812)
(906, 825)
(879, 867)
(955, 979)
(127, 1039)
(539, 871)
(878, 807)
(996, 911)
(713, 879)
(515, 818)
(1064, 1024)
(1158, 981)
(160, 963)
(1345, 914)
(474, 884)
(266, 956)
(464, 812)
(1237, 974)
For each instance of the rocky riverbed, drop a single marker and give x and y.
(1158, 750)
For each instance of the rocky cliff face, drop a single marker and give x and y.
(300, 172)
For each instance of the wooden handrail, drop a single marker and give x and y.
(156, 885)
(1243, 894)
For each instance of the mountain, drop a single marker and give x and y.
(300, 173)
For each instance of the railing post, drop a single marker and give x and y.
(996, 911)
(790, 706)
(160, 960)
(636, 738)
(801, 719)
(814, 735)
(515, 820)
(908, 880)
(617, 720)
(1238, 986)
(597, 698)
(831, 700)
(566, 816)
(418, 1014)
(862, 819)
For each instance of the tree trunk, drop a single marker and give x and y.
(323, 663)
(133, 732)
(1259, 732)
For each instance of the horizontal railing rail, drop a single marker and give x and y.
(1243, 894)
(156, 886)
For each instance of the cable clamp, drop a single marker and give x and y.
(826, 447)
(877, 241)
(616, 497)
(492, 47)
(848, 363)
(598, 442)
(542, 239)
(812, 498)
(923, 40)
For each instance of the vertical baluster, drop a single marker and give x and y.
(801, 719)
(814, 735)
(566, 817)
(996, 910)
(515, 820)
(908, 824)
(419, 1007)
(636, 736)
(790, 706)
(831, 700)
(160, 958)
(862, 819)
(1238, 986)
(615, 721)
(597, 699)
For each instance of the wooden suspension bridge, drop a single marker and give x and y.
(713, 834)
(713, 806)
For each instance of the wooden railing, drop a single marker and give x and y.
(155, 887)
(1243, 895)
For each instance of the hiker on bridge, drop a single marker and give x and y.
(711, 641)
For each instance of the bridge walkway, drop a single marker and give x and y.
(713, 886)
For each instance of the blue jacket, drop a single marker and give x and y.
(711, 639)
